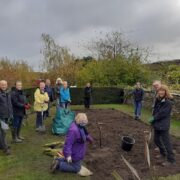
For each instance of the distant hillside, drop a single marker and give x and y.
(163, 65)
(169, 62)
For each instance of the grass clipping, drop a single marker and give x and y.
(116, 175)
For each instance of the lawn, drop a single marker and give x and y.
(28, 162)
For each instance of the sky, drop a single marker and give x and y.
(148, 23)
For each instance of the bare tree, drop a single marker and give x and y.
(54, 54)
(114, 44)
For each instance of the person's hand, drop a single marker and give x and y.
(90, 139)
(10, 121)
(69, 159)
(27, 106)
(151, 120)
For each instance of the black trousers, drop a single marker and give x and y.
(47, 111)
(162, 140)
(87, 102)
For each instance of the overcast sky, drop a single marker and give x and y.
(150, 23)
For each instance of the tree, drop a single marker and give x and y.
(120, 71)
(173, 74)
(55, 56)
(16, 70)
(112, 45)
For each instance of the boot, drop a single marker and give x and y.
(7, 152)
(14, 136)
(18, 134)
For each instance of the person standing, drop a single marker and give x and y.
(160, 122)
(49, 90)
(57, 88)
(65, 98)
(156, 86)
(6, 114)
(87, 96)
(40, 105)
(138, 94)
(19, 104)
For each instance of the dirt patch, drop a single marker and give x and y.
(103, 161)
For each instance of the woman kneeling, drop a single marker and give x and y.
(75, 146)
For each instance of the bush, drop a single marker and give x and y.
(99, 96)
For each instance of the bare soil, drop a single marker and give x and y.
(103, 161)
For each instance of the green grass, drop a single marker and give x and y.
(28, 162)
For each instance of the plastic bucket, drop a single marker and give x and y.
(127, 143)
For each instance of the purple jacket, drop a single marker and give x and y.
(73, 146)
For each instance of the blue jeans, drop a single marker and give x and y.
(73, 167)
(138, 107)
(17, 121)
(40, 116)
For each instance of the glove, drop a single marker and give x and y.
(27, 106)
(69, 159)
(151, 120)
(10, 121)
(90, 139)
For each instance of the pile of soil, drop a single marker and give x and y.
(103, 161)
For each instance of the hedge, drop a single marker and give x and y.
(99, 96)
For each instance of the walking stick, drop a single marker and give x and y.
(42, 128)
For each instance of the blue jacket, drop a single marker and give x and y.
(138, 94)
(64, 95)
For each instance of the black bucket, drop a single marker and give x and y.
(127, 143)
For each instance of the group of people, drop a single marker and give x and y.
(13, 106)
(160, 120)
(77, 135)
(14, 103)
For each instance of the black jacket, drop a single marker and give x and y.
(138, 94)
(18, 99)
(87, 92)
(162, 114)
(57, 91)
(5, 105)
